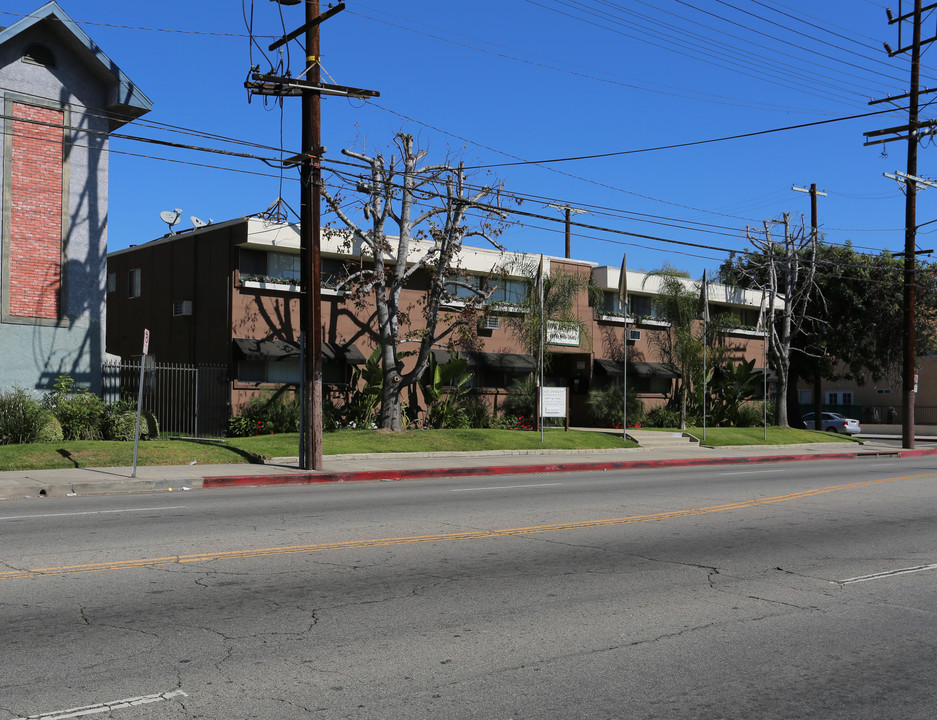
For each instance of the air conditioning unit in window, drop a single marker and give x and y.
(181, 307)
(634, 335)
(492, 322)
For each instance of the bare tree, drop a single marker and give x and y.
(788, 274)
(428, 207)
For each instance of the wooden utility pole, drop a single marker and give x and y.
(911, 180)
(568, 211)
(814, 232)
(310, 89)
(309, 218)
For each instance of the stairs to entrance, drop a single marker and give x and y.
(661, 439)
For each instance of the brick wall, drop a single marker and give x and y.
(36, 214)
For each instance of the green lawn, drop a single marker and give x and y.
(722, 436)
(72, 454)
(376, 441)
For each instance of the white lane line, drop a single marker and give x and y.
(505, 487)
(887, 573)
(753, 472)
(107, 707)
(91, 512)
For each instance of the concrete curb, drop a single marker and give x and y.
(421, 473)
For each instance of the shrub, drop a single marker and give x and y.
(51, 429)
(512, 422)
(119, 420)
(79, 411)
(265, 415)
(121, 426)
(477, 411)
(148, 420)
(522, 398)
(605, 406)
(22, 417)
(750, 414)
(663, 417)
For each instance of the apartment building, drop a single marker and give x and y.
(228, 294)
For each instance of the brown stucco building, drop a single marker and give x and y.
(228, 294)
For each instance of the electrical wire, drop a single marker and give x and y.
(553, 66)
(673, 146)
(769, 72)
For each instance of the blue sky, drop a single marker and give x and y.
(493, 82)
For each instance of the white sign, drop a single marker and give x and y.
(562, 334)
(146, 341)
(553, 402)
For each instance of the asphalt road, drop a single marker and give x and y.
(801, 590)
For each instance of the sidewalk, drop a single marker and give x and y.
(399, 466)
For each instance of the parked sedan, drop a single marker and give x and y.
(834, 422)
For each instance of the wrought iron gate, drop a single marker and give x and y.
(190, 400)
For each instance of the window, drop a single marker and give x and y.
(283, 265)
(112, 282)
(640, 306)
(750, 317)
(252, 262)
(332, 273)
(611, 304)
(458, 292)
(133, 283)
(273, 265)
(805, 397)
(507, 291)
(272, 371)
(839, 398)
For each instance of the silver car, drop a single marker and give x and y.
(834, 422)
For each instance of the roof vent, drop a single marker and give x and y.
(37, 54)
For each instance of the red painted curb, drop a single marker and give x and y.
(390, 475)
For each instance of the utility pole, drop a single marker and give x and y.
(814, 230)
(569, 211)
(310, 176)
(913, 136)
(310, 89)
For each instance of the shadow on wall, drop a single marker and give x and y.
(76, 345)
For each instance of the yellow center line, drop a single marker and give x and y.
(440, 537)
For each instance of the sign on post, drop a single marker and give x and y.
(136, 432)
(554, 403)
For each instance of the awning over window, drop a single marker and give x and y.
(638, 368)
(253, 349)
(510, 362)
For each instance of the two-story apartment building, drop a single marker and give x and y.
(228, 294)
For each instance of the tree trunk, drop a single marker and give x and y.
(781, 402)
(391, 407)
(794, 416)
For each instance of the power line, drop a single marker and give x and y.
(693, 143)
(137, 27)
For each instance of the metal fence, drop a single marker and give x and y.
(189, 400)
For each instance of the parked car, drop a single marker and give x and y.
(834, 422)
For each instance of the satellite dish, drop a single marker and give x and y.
(197, 222)
(170, 217)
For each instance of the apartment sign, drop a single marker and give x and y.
(552, 402)
(562, 334)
